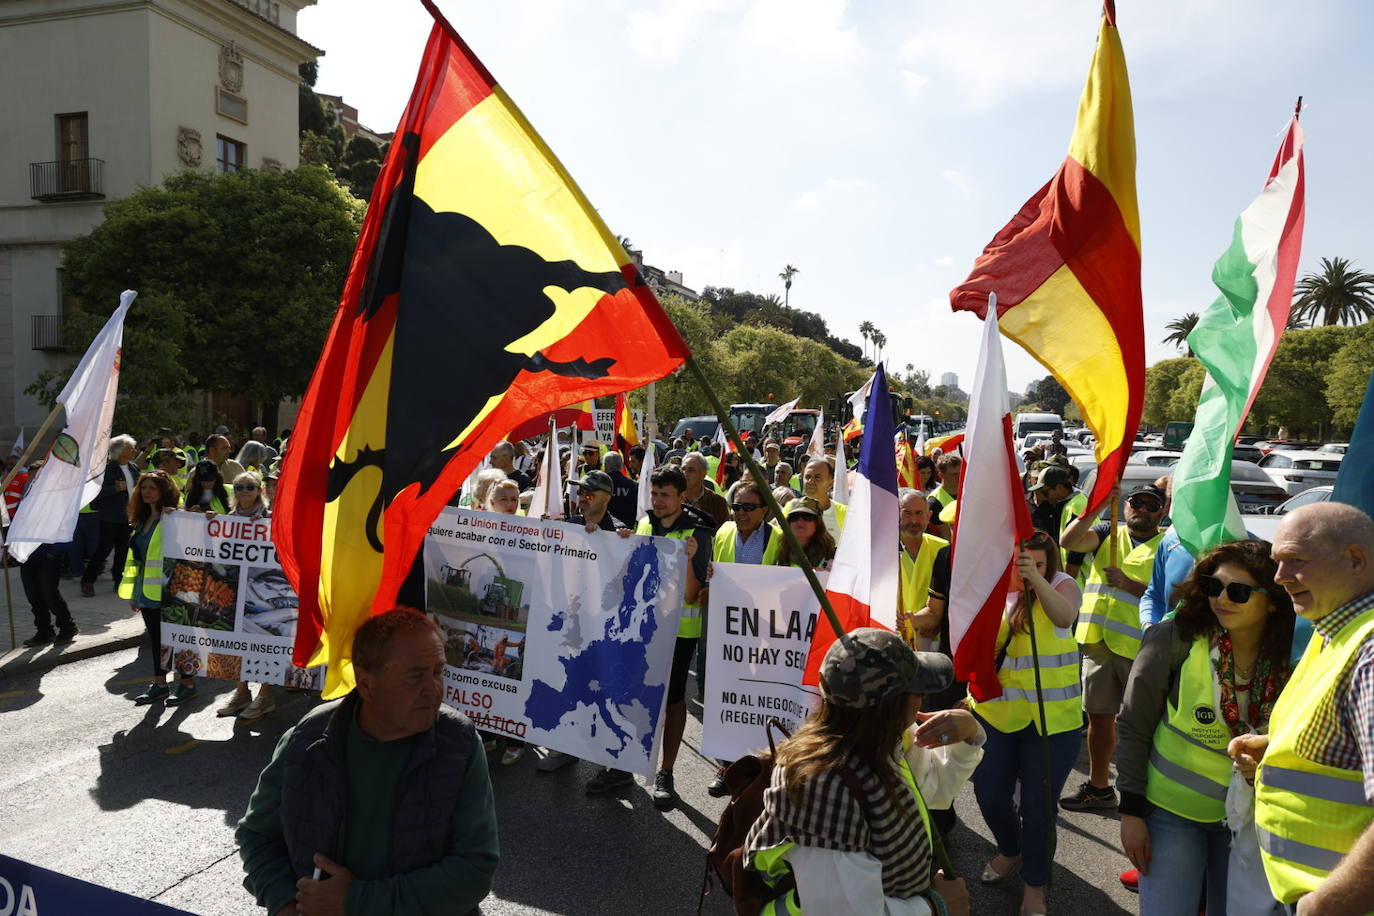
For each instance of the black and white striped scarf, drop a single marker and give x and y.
(827, 816)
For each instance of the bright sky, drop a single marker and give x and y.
(878, 145)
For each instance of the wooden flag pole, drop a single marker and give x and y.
(766, 491)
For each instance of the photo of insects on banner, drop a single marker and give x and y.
(227, 610)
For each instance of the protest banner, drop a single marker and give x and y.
(227, 610)
(556, 635)
(27, 890)
(604, 418)
(758, 631)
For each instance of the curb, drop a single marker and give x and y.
(78, 652)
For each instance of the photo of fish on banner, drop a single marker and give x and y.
(270, 606)
(201, 594)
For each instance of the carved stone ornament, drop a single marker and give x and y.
(271, 165)
(231, 68)
(188, 146)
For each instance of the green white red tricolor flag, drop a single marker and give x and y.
(1235, 339)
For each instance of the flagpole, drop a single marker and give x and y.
(766, 491)
(1027, 595)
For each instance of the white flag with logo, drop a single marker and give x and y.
(75, 465)
(643, 503)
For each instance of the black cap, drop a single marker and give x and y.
(1149, 489)
(597, 480)
(1051, 476)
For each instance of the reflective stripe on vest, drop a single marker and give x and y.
(689, 625)
(1061, 688)
(1189, 771)
(916, 572)
(152, 569)
(1308, 815)
(1112, 615)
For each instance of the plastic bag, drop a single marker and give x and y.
(1247, 889)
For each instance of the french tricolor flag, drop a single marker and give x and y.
(862, 587)
(990, 522)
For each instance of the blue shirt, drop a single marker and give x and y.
(751, 551)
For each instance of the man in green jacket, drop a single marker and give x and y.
(380, 802)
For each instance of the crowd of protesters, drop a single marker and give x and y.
(1235, 705)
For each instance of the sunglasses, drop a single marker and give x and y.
(587, 491)
(801, 517)
(746, 507)
(1145, 502)
(1238, 592)
(243, 487)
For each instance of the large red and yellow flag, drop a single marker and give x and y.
(1066, 269)
(485, 290)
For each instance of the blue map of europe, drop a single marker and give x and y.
(611, 672)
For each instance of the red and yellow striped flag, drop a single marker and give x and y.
(626, 436)
(1066, 269)
(485, 290)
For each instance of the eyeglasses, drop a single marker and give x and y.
(801, 517)
(587, 491)
(244, 487)
(1238, 592)
(746, 507)
(1145, 502)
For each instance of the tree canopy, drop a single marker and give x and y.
(238, 277)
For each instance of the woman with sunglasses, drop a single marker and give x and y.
(154, 495)
(1207, 675)
(1012, 721)
(807, 523)
(249, 501)
(205, 491)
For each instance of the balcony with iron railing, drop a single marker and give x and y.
(47, 333)
(67, 179)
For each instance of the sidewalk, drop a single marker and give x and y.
(106, 622)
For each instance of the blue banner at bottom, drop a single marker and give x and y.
(27, 890)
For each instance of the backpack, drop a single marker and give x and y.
(746, 780)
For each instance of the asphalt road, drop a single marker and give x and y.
(144, 799)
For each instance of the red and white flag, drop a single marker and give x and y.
(862, 587)
(989, 525)
(729, 446)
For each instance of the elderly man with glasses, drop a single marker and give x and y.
(700, 496)
(1109, 626)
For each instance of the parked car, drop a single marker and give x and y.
(1250, 453)
(1157, 459)
(1253, 489)
(704, 428)
(1339, 448)
(1264, 526)
(1298, 471)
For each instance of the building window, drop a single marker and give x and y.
(73, 152)
(231, 106)
(231, 155)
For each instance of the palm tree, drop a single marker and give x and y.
(786, 276)
(867, 330)
(879, 341)
(1179, 329)
(1337, 294)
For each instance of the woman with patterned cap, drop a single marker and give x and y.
(846, 813)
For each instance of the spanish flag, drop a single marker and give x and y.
(484, 291)
(626, 437)
(1066, 269)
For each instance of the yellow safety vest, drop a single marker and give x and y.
(1189, 769)
(772, 865)
(943, 496)
(1061, 687)
(1074, 507)
(1113, 614)
(916, 572)
(152, 569)
(689, 626)
(1309, 815)
(723, 546)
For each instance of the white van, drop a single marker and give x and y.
(1023, 424)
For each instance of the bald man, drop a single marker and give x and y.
(1314, 771)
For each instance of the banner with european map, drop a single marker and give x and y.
(555, 635)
